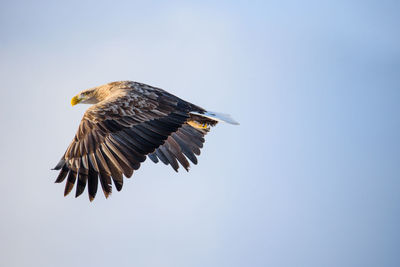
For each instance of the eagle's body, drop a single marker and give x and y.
(128, 122)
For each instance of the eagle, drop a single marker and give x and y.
(128, 122)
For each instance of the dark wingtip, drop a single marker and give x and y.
(118, 186)
(78, 192)
(59, 165)
(68, 188)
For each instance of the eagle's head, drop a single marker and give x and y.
(97, 94)
(87, 96)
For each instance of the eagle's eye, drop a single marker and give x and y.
(84, 94)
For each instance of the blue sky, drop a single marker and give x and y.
(309, 178)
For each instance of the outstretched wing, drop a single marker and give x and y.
(115, 136)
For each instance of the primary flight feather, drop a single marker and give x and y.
(127, 122)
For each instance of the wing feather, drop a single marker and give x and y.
(176, 150)
(63, 173)
(171, 159)
(81, 184)
(105, 181)
(93, 182)
(124, 154)
(161, 156)
(123, 162)
(70, 182)
(93, 162)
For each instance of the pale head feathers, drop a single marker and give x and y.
(97, 94)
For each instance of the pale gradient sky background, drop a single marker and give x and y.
(309, 178)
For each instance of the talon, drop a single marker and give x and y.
(198, 125)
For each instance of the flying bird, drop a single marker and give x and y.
(128, 122)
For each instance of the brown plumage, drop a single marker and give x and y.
(128, 122)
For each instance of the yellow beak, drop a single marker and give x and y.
(75, 100)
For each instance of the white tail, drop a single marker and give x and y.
(217, 116)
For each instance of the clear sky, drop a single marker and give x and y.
(310, 178)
